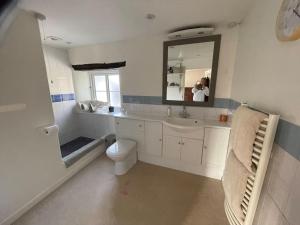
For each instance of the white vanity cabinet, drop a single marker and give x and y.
(201, 150)
(153, 138)
(186, 150)
(182, 149)
(172, 148)
(215, 147)
(131, 129)
(191, 151)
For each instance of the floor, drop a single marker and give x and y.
(147, 195)
(72, 146)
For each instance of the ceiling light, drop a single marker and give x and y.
(150, 16)
(54, 38)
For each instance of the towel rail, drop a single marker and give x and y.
(262, 148)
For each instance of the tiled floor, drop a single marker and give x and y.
(147, 195)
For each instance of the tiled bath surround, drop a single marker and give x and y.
(67, 120)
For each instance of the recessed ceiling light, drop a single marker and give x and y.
(54, 38)
(150, 16)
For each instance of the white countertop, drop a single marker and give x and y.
(158, 118)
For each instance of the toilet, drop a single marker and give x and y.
(123, 153)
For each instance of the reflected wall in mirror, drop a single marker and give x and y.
(190, 71)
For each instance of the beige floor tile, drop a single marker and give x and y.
(147, 195)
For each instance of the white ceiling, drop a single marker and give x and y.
(84, 22)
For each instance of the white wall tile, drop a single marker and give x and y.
(284, 164)
(195, 112)
(283, 169)
(270, 213)
(292, 211)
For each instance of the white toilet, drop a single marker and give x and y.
(123, 153)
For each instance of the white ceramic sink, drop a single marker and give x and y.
(182, 123)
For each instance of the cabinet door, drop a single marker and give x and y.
(131, 129)
(191, 151)
(215, 146)
(153, 138)
(172, 147)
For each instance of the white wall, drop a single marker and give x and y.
(267, 76)
(192, 76)
(59, 73)
(144, 56)
(59, 70)
(82, 85)
(30, 163)
(267, 70)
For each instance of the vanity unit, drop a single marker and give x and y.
(194, 146)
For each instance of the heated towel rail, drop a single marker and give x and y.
(262, 148)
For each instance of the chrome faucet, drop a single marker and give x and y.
(184, 113)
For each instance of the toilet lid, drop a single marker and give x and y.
(121, 148)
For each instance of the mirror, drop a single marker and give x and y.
(190, 71)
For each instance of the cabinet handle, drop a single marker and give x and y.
(140, 125)
(179, 143)
(160, 140)
(182, 143)
(117, 123)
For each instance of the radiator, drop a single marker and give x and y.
(262, 148)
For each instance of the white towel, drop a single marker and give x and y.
(245, 124)
(234, 184)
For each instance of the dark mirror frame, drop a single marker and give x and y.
(214, 70)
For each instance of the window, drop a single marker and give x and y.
(106, 88)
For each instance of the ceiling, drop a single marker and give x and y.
(84, 22)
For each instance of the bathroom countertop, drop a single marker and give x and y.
(158, 118)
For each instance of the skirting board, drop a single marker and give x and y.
(75, 168)
(206, 171)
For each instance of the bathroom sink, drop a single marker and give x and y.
(181, 123)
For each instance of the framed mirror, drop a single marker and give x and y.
(190, 68)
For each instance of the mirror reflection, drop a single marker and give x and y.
(189, 72)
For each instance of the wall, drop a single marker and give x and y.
(142, 75)
(59, 73)
(82, 85)
(192, 76)
(30, 162)
(267, 76)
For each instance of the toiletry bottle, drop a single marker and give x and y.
(169, 111)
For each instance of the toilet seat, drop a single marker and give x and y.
(120, 149)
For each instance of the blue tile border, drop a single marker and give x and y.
(62, 97)
(134, 99)
(288, 137)
(222, 103)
